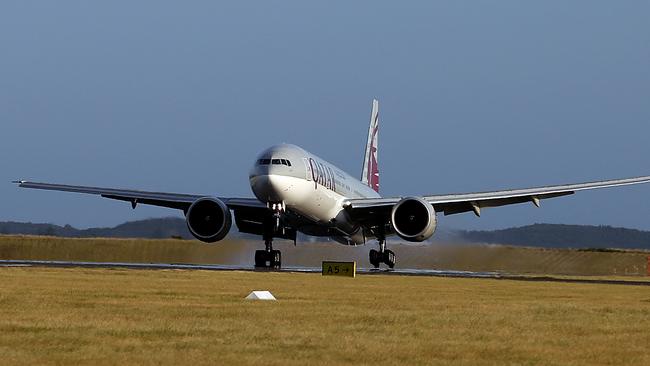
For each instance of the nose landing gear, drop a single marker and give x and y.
(269, 258)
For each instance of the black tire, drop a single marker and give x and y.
(389, 258)
(374, 257)
(260, 258)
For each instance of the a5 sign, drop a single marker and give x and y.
(345, 269)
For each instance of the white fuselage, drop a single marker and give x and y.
(309, 186)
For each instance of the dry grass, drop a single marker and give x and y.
(434, 256)
(101, 316)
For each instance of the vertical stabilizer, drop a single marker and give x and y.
(370, 175)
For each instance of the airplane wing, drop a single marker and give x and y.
(451, 204)
(171, 200)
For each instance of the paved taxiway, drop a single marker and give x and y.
(367, 271)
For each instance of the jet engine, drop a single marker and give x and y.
(208, 219)
(414, 219)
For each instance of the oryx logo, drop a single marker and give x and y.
(370, 173)
(373, 167)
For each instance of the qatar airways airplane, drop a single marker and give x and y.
(299, 192)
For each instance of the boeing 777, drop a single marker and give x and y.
(297, 191)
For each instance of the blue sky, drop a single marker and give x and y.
(181, 96)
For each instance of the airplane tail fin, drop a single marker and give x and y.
(370, 175)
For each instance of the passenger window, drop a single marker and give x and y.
(276, 162)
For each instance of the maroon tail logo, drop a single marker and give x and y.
(373, 167)
(370, 173)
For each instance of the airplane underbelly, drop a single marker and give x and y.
(315, 202)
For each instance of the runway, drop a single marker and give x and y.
(225, 267)
(364, 271)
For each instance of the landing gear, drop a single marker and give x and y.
(278, 210)
(268, 258)
(382, 255)
(264, 259)
(375, 258)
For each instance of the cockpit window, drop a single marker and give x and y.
(274, 162)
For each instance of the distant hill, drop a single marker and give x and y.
(563, 236)
(150, 228)
(538, 235)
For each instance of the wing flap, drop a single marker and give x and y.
(452, 208)
(179, 201)
(451, 204)
(530, 192)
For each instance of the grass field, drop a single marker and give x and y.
(432, 256)
(103, 316)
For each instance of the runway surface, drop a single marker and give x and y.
(365, 271)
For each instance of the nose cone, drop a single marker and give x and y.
(270, 187)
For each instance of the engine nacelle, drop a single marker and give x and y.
(208, 219)
(414, 219)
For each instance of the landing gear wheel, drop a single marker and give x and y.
(261, 259)
(268, 259)
(375, 258)
(382, 255)
(389, 258)
(276, 259)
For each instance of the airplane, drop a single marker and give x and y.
(297, 191)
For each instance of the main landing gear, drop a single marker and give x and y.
(383, 255)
